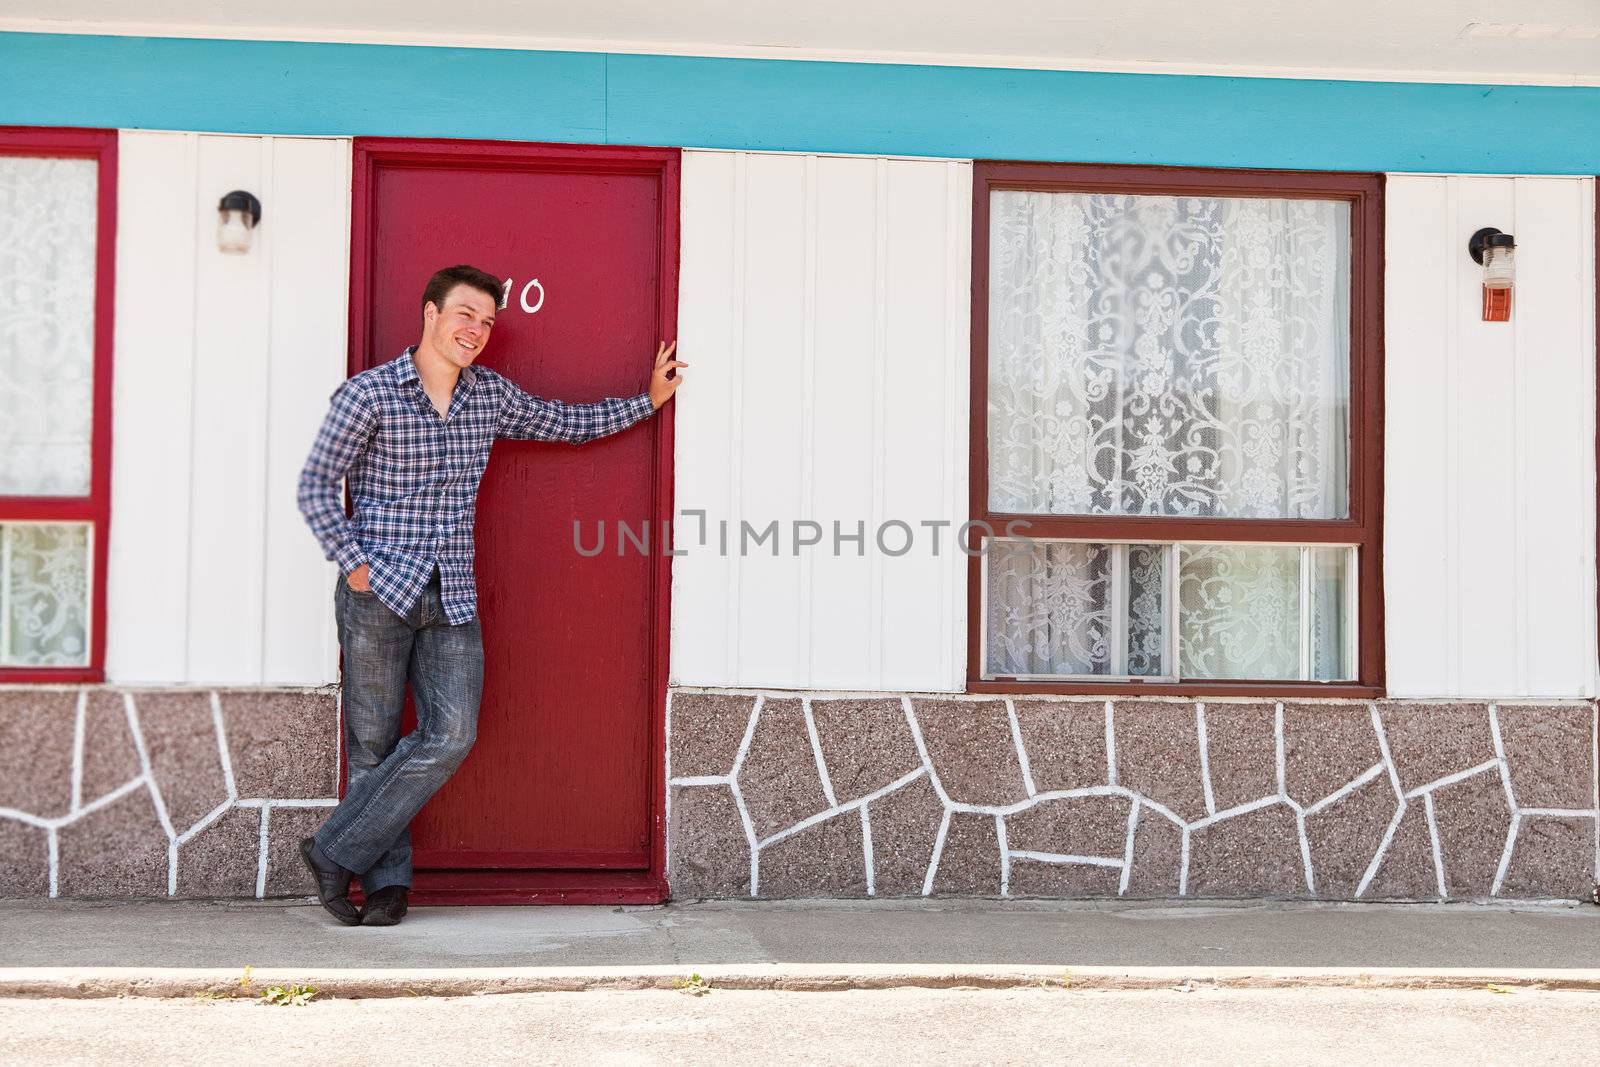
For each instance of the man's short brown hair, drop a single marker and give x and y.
(445, 280)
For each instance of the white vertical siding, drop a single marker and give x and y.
(824, 308)
(1489, 499)
(223, 367)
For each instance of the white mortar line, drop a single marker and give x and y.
(1433, 835)
(922, 752)
(816, 752)
(172, 868)
(1570, 813)
(714, 779)
(1452, 779)
(1505, 855)
(287, 802)
(1111, 745)
(840, 809)
(144, 765)
(1383, 747)
(222, 746)
(206, 820)
(1022, 751)
(744, 742)
(938, 854)
(53, 849)
(1019, 806)
(1205, 756)
(866, 851)
(130, 786)
(749, 833)
(1062, 858)
(1345, 790)
(27, 819)
(1183, 866)
(1241, 809)
(1161, 809)
(1305, 852)
(1383, 847)
(78, 728)
(1500, 754)
(1282, 755)
(1005, 855)
(1127, 848)
(261, 857)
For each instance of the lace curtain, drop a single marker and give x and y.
(1154, 355)
(47, 246)
(44, 594)
(1178, 356)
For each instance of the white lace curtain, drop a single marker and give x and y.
(1157, 355)
(1177, 356)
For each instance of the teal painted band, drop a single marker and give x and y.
(343, 89)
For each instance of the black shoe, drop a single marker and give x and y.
(333, 883)
(386, 907)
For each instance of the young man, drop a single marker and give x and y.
(412, 437)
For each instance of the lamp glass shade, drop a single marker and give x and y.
(1499, 267)
(233, 231)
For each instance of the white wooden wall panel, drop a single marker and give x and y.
(223, 369)
(147, 576)
(823, 306)
(1489, 524)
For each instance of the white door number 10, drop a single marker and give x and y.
(527, 290)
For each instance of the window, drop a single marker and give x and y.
(57, 206)
(1176, 383)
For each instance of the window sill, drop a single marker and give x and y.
(1136, 690)
(52, 675)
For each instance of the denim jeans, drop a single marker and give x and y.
(390, 777)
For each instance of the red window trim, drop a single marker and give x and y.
(101, 146)
(1364, 527)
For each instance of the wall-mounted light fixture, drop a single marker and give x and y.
(238, 214)
(1496, 252)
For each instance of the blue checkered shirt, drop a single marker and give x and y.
(414, 477)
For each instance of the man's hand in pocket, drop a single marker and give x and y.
(358, 580)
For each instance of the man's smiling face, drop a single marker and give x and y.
(459, 329)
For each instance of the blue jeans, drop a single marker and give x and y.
(390, 777)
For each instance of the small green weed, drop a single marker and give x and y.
(282, 996)
(693, 985)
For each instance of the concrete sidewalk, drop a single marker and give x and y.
(177, 948)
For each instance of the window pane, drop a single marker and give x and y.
(1332, 571)
(1160, 355)
(44, 594)
(1053, 609)
(1238, 611)
(47, 256)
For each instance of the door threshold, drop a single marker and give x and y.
(484, 887)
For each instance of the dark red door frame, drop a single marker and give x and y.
(572, 886)
(95, 506)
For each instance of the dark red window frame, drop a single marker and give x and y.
(95, 508)
(1363, 527)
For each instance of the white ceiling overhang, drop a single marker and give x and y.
(1546, 42)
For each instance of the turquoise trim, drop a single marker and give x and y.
(300, 88)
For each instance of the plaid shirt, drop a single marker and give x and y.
(414, 476)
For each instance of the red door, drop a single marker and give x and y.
(559, 798)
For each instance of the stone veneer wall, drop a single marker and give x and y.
(783, 795)
(109, 792)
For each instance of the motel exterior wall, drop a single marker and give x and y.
(820, 739)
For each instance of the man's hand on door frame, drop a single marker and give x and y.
(661, 386)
